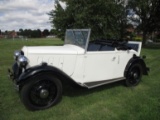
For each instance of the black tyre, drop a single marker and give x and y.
(134, 75)
(42, 91)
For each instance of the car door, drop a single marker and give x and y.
(123, 57)
(99, 65)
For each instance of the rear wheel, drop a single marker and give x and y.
(41, 92)
(134, 75)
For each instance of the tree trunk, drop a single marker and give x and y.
(144, 38)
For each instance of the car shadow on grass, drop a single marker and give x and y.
(73, 90)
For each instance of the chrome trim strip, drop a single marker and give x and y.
(90, 85)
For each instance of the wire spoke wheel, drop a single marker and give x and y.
(41, 92)
(134, 75)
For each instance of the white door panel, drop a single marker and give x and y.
(123, 58)
(99, 66)
(78, 75)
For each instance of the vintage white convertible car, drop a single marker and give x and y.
(38, 72)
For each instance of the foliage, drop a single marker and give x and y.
(108, 102)
(34, 33)
(105, 18)
(137, 38)
(45, 32)
(148, 11)
(53, 32)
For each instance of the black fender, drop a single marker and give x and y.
(134, 60)
(16, 71)
(28, 73)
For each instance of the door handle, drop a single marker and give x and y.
(113, 58)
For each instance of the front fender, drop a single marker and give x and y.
(39, 69)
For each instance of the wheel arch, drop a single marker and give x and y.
(23, 78)
(47, 93)
(135, 60)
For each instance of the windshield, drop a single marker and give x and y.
(77, 37)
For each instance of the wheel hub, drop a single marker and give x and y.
(135, 75)
(44, 93)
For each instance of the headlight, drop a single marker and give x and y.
(22, 61)
(17, 54)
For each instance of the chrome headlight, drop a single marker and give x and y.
(17, 54)
(22, 61)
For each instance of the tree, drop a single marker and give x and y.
(45, 32)
(58, 19)
(6, 32)
(105, 18)
(53, 31)
(26, 32)
(36, 33)
(148, 11)
(21, 32)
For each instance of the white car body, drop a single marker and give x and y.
(86, 68)
(38, 72)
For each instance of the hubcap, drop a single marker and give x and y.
(135, 75)
(44, 93)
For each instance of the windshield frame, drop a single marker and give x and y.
(78, 30)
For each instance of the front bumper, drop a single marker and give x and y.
(10, 74)
(12, 77)
(14, 74)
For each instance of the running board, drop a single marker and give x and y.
(90, 85)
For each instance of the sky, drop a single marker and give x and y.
(25, 14)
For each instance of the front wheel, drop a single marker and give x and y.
(41, 92)
(134, 75)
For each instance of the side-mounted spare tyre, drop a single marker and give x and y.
(41, 91)
(134, 75)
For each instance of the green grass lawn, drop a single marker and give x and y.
(109, 102)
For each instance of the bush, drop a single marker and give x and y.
(157, 40)
(137, 38)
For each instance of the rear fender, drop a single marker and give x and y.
(135, 60)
